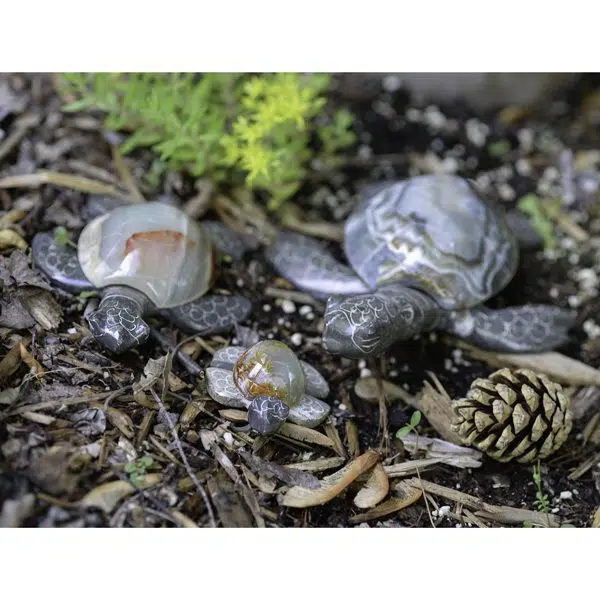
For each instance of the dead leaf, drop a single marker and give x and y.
(51, 471)
(13, 314)
(89, 421)
(443, 451)
(11, 362)
(375, 489)
(107, 495)
(320, 464)
(366, 388)
(42, 306)
(121, 421)
(289, 476)
(332, 485)
(11, 239)
(231, 509)
(596, 520)
(15, 271)
(304, 434)
(34, 365)
(407, 495)
(9, 396)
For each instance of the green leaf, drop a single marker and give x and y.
(146, 461)
(403, 431)
(531, 205)
(130, 467)
(61, 235)
(87, 294)
(415, 418)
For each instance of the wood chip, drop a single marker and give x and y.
(410, 467)
(11, 362)
(375, 489)
(502, 514)
(332, 485)
(559, 367)
(11, 239)
(445, 452)
(406, 495)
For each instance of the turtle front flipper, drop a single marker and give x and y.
(366, 325)
(521, 329)
(311, 267)
(117, 323)
(266, 414)
(59, 262)
(210, 314)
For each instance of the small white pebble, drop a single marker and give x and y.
(288, 307)
(296, 339)
(364, 373)
(365, 152)
(304, 310)
(526, 138)
(554, 293)
(267, 307)
(391, 83)
(566, 495)
(240, 283)
(574, 301)
(228, 438)
(506, 192)
(72, 331)
(413, 114)
(523, 167)
(342, 406)
(362, 363)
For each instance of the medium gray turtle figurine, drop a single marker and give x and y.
(424, 254)
(144, 259)
(271, 382)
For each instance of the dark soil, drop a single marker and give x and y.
(390, 125)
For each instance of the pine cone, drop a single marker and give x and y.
(514, 415)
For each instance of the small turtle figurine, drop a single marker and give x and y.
(144, 258)
(271, 382)
(425, 253)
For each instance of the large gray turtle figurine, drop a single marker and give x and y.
(144, 259)
(271, 382)
(424, 254)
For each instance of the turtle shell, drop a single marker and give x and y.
(153, 248)
(435, 233)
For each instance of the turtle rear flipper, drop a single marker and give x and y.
(311, 267)
(210, 314)
(524, 329)
(59, 262)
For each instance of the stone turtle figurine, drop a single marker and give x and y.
(424, 254)
(144, 259)
(271, 382)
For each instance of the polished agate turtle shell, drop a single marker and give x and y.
(153, 248)
(435, 233)
(270, 368)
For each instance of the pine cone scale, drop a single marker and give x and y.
(514, 415)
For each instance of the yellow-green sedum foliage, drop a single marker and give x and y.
(231, 127)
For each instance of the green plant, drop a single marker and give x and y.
(137, 469)
(231, 127)
(531, 205)
(541, 500)
(61, 236)
(415, 419)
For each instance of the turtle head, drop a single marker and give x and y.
(266, 414)
(353, 328)
(365, 326)
(117, 324)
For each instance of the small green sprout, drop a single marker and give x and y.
(415, 419)
(137, 469)
(540, 221)
(499, 148)
(61, 236)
